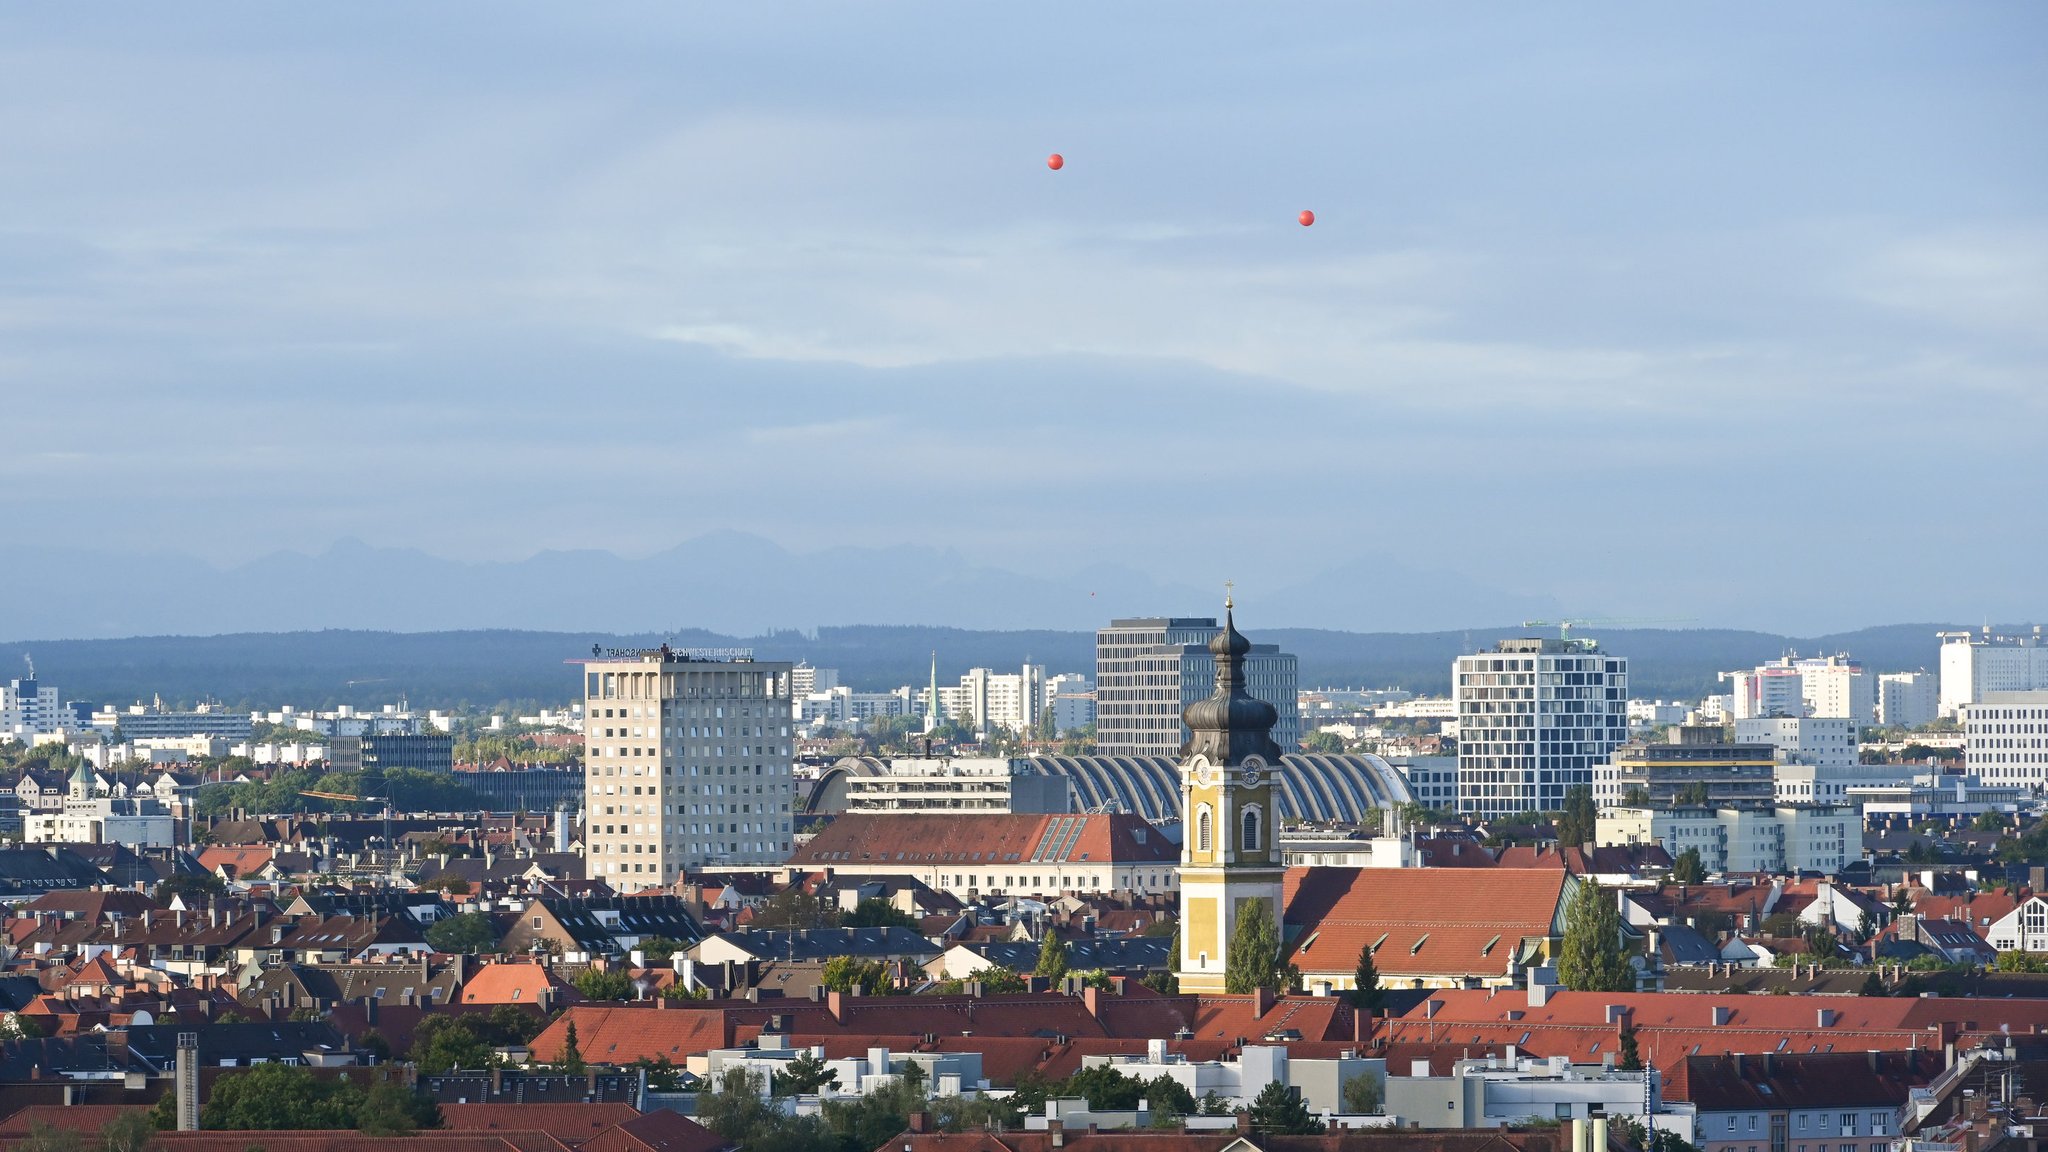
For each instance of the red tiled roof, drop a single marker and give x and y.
(1420, 921)
(657, 1131)
(569, 1122)
(513, 982)
(1672, 1025)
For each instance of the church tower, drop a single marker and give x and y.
(1229, 853)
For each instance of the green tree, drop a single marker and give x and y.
(572, 1053)
(443, 1043)
(1693, 795)
(1052, 957)
(1590, 959)
(1255, 952)
(1689, 868)
(1631, 1054)
(875, 912)
(128, 1132)
(2014, 960)
(795, 908)
(735, 1109)
(1576, 825)
(1168, 1100)
(1280, 1110)
(46, 1137)
(1322, 741)
(470, 932)
(278, 1096)
(803, 1076)
(1368, 997)
(389, 1108)
(1363, 1095)
(604, 984)
(657, 949)
(1873, 985)
(845, 973)
(1636, 796)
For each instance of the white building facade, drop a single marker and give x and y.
(1535, 717)
(2005, 738)
(687, 760)
(1830, 686)
(1975, 663)
(1908, 699)
(1789, 838)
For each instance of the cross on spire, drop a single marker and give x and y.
(1229, 587)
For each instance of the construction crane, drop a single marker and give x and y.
(371, 680)
(345, 797)
(1564, 627)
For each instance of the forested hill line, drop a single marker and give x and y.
(481, 668)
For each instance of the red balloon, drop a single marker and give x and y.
(1307, 218)
(1055, 161)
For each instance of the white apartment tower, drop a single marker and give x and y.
(687, 762)
(1535, 717)
(1148, 670)
(1973, 664)
(1833, 686)
(2005, 738)
(1908, 699)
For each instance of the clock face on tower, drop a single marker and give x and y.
(1250, 773)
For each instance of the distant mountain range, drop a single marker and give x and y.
(482, 668)
(726, 582)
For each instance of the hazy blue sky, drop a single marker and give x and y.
(1735, 313)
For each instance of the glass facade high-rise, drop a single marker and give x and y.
(1149, 669)
(1535, 717)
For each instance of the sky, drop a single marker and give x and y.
(1720, 314)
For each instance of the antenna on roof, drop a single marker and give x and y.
(31, 662)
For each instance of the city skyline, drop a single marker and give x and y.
(1682, 283)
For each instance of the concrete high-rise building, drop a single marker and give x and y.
(986, 700)
(1833, 686)
(29, 709)
(2005, 738)
(1908, 699)
(1696, 766)
(1070, 699)
(687, 762)
(1148, 670)
(1973, 664)
(1535, 717)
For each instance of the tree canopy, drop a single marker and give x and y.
(470, 932)
(282, 1096)
(1255, 952)
(1591, 959)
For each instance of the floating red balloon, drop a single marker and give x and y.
(1055, 161)
(1307, 217)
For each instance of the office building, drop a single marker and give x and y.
(383, 753)
(1535, 717)
(686, 762)
(29, 708)
(967, 784)
(1974, 663)
(1696, 766)
(2005, 738)
(1788, 838)
(805, 679)
(1833, 686)
(151, 721)
(1908, 699)
(1070, 701)
(1149, 670)
(1817, 758)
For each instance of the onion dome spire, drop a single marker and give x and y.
(1231, 724)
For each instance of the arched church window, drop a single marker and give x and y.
(1202, 839)
(1251, 830)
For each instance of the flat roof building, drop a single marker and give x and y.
(687, 762)
(1150, 669)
